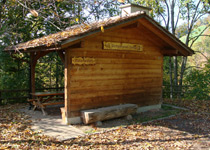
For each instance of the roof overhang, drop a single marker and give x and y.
(179, 48)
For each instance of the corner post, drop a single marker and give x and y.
(67, 112)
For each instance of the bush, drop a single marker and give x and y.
(199, 81)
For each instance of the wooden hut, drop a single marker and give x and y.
(115, 61)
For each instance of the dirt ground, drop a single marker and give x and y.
(186, 130)
(195, 127)
(55, 113)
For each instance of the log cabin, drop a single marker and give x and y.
(115, 61)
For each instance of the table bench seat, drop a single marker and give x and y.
(43, 99)
(53, 103)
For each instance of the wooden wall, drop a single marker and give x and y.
(118, 76)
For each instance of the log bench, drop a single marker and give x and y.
(105, 113)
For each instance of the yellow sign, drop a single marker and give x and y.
(83, 61)
(122, 46)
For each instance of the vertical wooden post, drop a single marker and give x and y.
(67, 87)
(56, 78)
(29, 80)
(162, 62)
(32, 69)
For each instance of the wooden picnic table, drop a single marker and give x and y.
(43, 99)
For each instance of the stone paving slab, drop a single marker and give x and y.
(52, 125)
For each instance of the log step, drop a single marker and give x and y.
(105, 113)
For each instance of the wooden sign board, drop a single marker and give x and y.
(83, 61)
(122, 46)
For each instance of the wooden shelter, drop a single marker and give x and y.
(111, 62)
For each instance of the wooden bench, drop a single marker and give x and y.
(53, 103)
(37, 104)
(105, 113)
(33, 101)
(44, 99)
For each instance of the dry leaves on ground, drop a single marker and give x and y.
(185, 131)
(198, 106)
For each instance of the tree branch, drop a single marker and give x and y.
(161, 13)
(196, 37)
(168, 20)
(202, 55)
(177, 20)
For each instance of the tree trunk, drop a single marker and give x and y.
(171, 82)
(172, 17)
(175, 76)
(184, 61)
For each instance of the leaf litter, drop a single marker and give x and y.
(189, 130)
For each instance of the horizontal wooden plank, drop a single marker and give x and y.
(125, 86)
(114, 72)
(150, 36)
(92, 83)
(105, 101)
(112, 77)
(97, 44)
(131, 36)
(128, 33)
(116, 54)
(127, 61)
(113, 92)
(123, 98)
(146, 51)
(114, 66)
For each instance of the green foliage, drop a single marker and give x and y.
(22, 20)
(49, 72)
(199, 81)
(18, 24)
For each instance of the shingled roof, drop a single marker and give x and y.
(76, 32)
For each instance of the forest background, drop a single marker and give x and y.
(23, 20)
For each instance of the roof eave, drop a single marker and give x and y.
(33, 49)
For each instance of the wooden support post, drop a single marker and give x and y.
(67, 87)
(29, 81)
(62, 56)
(33, 62)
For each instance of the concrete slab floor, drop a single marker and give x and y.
(51, 124)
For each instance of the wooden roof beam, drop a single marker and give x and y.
(169, 52)
(183, 49)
